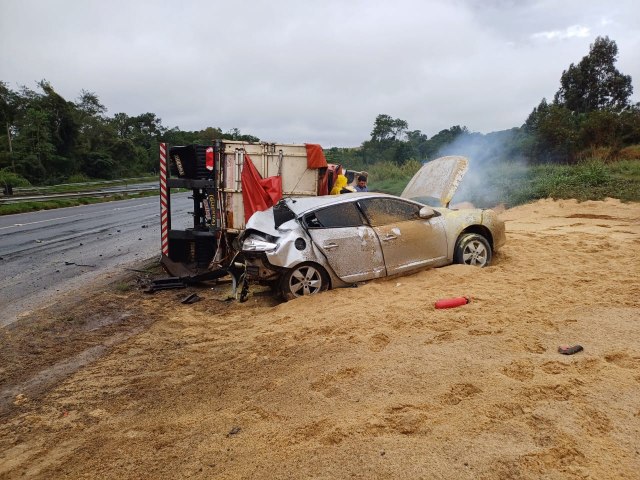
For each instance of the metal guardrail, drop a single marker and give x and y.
(100, 193)
(124, 181)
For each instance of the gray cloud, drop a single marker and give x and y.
(293, 71)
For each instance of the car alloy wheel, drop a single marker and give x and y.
(473, 250)
(303, 280)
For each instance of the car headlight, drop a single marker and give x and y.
(254, 244)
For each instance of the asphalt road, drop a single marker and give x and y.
(47, 252)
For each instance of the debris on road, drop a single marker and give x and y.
(569, 350)
(193, 298)
(79, 264)
(165, 284)
(138, 270)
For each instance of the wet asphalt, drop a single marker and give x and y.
(51, 252)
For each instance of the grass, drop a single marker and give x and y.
(388, 178)
(122, 287)
(507, 183)
(516, 183)
(592, 179)
(78, 185)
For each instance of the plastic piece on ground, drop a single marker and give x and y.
(569, 349)
(193, 298)
(452, 302)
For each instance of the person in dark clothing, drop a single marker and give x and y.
(361, 186)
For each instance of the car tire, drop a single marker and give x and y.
(304, 279)
(473, 249)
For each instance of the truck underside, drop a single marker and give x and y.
(228, 181)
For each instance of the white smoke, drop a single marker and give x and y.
(493, 165)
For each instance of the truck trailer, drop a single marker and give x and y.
(229, 180)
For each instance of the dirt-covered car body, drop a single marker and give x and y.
(305, 245)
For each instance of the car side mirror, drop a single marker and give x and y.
(427, 212)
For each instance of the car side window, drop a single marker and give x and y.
(335, 216)
(384, 211)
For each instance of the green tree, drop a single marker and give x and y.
(136, 149)
(387, 141)
(595, 83)
(64, 128)
(553, 131)
(97, 137)
(418, 143)
(8, 113)
(386, 128)
(35, 145)
(630, 125)
(235, 134)
(442, 139)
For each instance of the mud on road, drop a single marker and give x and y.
(370, 382)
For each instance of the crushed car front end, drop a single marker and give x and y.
(269, 247)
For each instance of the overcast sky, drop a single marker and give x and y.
(317, 72)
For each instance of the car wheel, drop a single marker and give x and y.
(473, 249)
(305, 279)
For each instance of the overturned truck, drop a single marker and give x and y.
(229, 181)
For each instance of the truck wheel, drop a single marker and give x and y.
(473, 249)
(304, 279)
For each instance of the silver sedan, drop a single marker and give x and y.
(308, 244)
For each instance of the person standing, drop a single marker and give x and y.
(361, 186)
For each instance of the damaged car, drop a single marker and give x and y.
(302, 246)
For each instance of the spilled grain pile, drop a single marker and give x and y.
(373, 382)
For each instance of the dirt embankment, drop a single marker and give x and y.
(370, 382)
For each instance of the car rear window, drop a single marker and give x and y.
(335, 216)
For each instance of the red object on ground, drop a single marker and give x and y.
(452, 302)
(258, 193)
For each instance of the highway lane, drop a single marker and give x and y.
(50, 251)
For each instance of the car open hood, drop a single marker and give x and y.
(437, 179)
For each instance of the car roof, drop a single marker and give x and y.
(301, 205)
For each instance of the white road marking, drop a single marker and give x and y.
(76, 215)
(39, 221)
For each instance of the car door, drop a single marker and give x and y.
(351, 247)
(408, 241)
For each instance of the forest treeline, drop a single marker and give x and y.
(590, 115)
(48, 139)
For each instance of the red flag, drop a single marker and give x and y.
(315, 156)
(258, 193)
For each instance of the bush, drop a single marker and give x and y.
(78, 178)
(388, 177)
(630, 153)
(13, 179)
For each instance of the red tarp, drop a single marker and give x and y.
(323, 184)
(315, 156)
(258, 193)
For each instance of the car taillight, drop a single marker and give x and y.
(209, 158)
